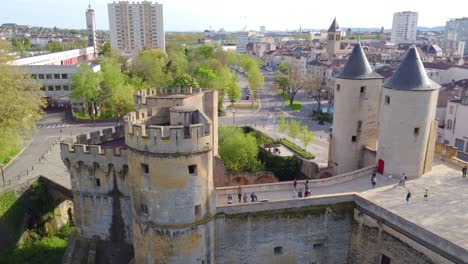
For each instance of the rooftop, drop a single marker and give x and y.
(357, 67)
(410, 74)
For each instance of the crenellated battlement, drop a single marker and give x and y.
(106, 146)
(141, 96)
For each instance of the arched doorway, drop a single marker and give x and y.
(380, 166)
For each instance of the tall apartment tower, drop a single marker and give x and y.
(91, 27)
(355, 117)
(334, 39)
(404, 27)
(408, 127)
(135, 26)
(172, 140)
(455, 33)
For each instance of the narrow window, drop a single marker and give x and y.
(363, 89)
(41, 76)
(50, 88)
(58, 87)
(416, 131)
(192, 170)
(359, 126)
(49, 76)
(56, 76)
(384, 259)
(197, 210)
(64, 76)
(144, 208)
(353, 139)
(98, 182)
(145, 168)
(387, 99)
(278, 250)
(338, 87)
(319, 245)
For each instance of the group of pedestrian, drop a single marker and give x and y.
(306, 189)
(276, 151)
(242, 198)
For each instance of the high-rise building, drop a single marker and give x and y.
(404, 27)
(91, 27)
(135, 26)
(455, 32)
(262, 30)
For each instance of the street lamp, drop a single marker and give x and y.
(3, 176)
(233, 117)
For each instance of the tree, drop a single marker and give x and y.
(283, 124)
(306, 136)
(315, 88)
(294, 129)
(206, 76)
(185, 80)
(150, 65)
(283, 67)
(55, 46)
(86, 88)
(297, 81)
(233, 89)
(282, 80)
(20, 108)
(238, 150)
(105, 48)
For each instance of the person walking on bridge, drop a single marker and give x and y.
(239, 193)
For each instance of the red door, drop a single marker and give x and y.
(380, 166)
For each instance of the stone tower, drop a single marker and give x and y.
(407, 119)
(91, 27)
(171, 143)
(355, 117)
(334, 39)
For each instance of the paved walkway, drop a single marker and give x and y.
(445, 213)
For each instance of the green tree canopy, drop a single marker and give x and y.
(306, 136)
(294, 128)
(185, 80)
(233, 89)
(20, 108)
(86, 88)
(150, 65)
(238, 150)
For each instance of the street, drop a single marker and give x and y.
(272, 107)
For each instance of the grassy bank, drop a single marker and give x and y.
(7, 155)
(296, 149)
(296, 106)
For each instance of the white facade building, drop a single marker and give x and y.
(404, 27)
(91, 27)
(242, 39)
(135, 26)
(456, 125)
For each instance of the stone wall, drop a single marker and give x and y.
(223, 178)
(311, 234)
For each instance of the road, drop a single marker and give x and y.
(272, 107)
(41, 155)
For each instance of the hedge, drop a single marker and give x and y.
(285, 168)
(296, 149)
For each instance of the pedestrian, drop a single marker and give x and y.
(245, 198)
(239, 193)
(464, 172)
(426, 194)
(295, 184)
(229, 199)
(253, 197)
(403, 179)
(408, 196)
(306, 184)
(444, 153)
(307, 192)
(373, 181)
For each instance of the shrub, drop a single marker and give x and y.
(319, 116)
(238, 150)
(296, 149)
(285, 168)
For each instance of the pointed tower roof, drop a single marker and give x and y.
(357, 67)
(410, 74)
(334, 27)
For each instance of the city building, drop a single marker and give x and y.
(54, 72)
(91, 27)
(242, 39)
(456, 127)
(456, 32)
(404, 27)
(356, 113)
(135, 26)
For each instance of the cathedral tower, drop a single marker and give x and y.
(334, 39)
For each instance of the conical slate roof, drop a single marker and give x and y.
(357, 67)
(410, 74)
(334, 26)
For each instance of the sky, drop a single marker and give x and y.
(198, 15)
